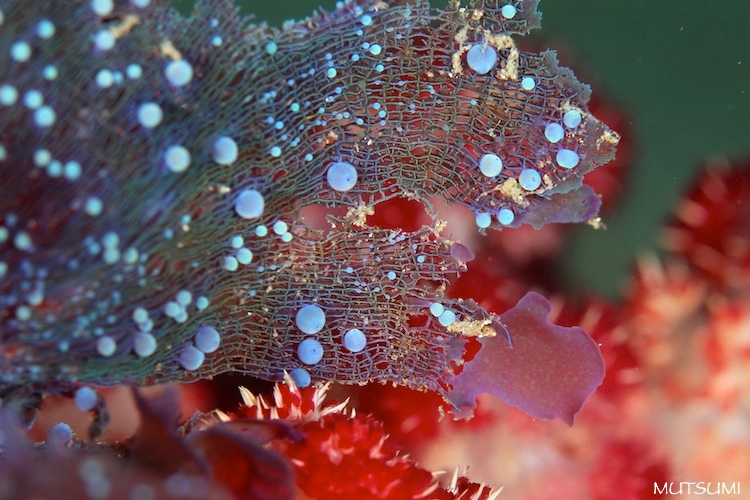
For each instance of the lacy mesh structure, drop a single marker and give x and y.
(153, 168)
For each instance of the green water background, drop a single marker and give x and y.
(679, 70)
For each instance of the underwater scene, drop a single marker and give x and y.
(475, 249)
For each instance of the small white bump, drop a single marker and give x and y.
(191, 358)
(144, 344)
(45, 29)
(244, 256)
(280, 227)
(177, 158)
(8, 94)
(490, 165)
(85, 398)
(436, 309)
(341, 176)
(508, 11)
(310, 319)
(149, 114)
(301, 377)
(179, 73)
(102, 7)
(483, 220)
(505, 216)
(207, 339)
(554, 132)
(106, 346)
(104, 40)
(447, 318)
(310, 351)
(355, 340)
(224, 151)
(527, 83)
(572, 118)
(20, 51)
(249, 204)
(93, 206)
(231, 263)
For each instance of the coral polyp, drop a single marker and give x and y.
(154, 168)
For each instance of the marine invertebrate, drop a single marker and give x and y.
(156, 167)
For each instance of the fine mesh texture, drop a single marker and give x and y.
(413, 119)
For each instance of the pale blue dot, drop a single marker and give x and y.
(55, 168)
(42, 157)
(490, 165)
(201, 303)
(249, 204)
(172, 309)
(505, 216)
(3, 153)
(130, 256)
(45, 29)
(85, 398)
(530, 179)
(140, 315)
(447, 318)
(104, 40)
(355, 340)
(20, 51)
(179, 73)
(22, 241)
(60, 435)
(528, 83)
(508, 11)
(375, 49)
(572, 118)
(150, 114)
(310, 351)
(261, 231)
(106, 346)
(141, 4)
(483, 220)
(554, 132)
(134, 71)
(8, 94)
(355, 57)
(341, 176)
(216, 41)
(244, 256)
(177, 158)
(23, 313)
(102, 7)
(271, 48)
(366, 20)
(44, 116)
(567, 158)
(231, 263)
(391, 275)
(310, 318)
(207, 339)
(184, 297)
(301, 377)
(421, 259)
(436, 309)
(225, 151)
(111, 255)
(294, 107)
(308, 157)
(72, 170)
(278, 125)
(93, 206)
(33, 99)
(144, 344)
(50, 72)
(275, 151)
(237, 241)
(280, 227)
(481, 58)
(331, 72)
(191, 358)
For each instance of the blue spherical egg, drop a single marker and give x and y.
(310, 319)
(355, 340)
(301, 377)
(529, 179)
(207, 339)
(310, 351)
(341, 175)
(481, 58)
(567, 158)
